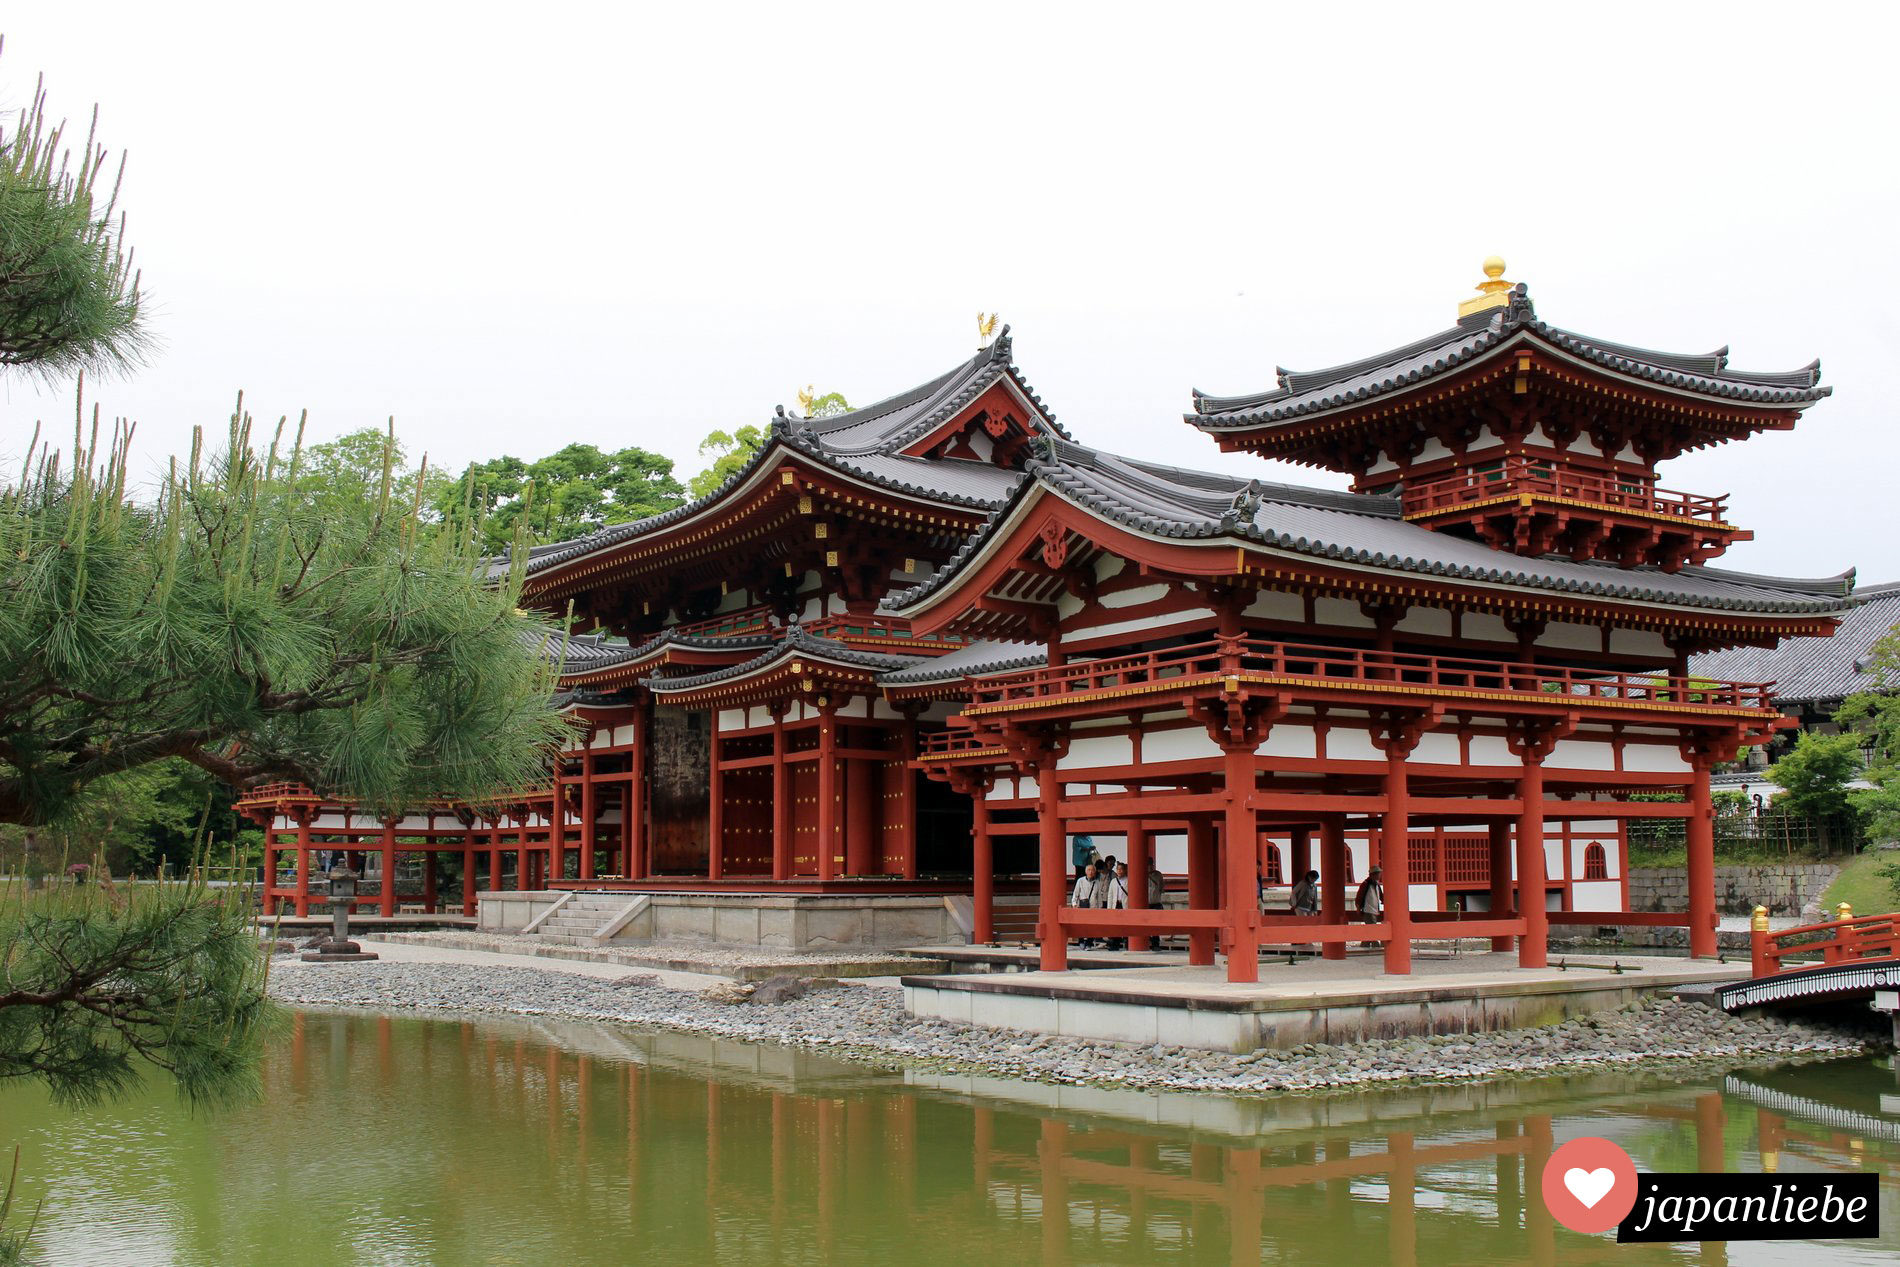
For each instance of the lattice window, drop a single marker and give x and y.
(1467, 860)
(1596, 865)
(1275, 874)
(1423, 859)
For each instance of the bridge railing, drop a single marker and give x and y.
(1837, 942)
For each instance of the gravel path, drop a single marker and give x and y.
(869, 1024)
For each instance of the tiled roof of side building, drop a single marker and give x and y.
(1359, 529)
(1300, 394)
(595, 654)
(1806, 670)
(795, 643)
(974, 660)
(865, 443)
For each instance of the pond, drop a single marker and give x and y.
(411, 1140)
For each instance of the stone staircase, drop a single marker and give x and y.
(580, 921)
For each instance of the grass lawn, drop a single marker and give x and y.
(1860, 886)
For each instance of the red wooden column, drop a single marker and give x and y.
(303, 862)
(1396, 832)
(1499, 833)
(557, 825)
(468, 872)
(1534, 950)
(1141, 860)
(1203, 887)
(782, 845)
(590, 813)
(1300, 855)
(494, 857)
(1242, 866)
(827, 791)
(429, 893)
(716, 819)
(982, 865)
(1701, 869)
(863, 824)
(907, 797)
(388, 904)
(1053, 867)
(634, 840)
(1332, 880)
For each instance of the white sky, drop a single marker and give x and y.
(520, 226)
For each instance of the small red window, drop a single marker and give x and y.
(1595, 865)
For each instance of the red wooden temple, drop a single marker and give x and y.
(922, 646)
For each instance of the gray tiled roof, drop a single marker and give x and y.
(974, 660)
(865, 443)
(1358, 528)
(602, 653)
(1301, 394)
(795, 643)
(1810, 669)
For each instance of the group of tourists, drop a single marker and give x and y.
(1101, 883)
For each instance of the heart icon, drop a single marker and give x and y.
(1589, 1186)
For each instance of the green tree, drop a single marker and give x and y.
(564, 495)
(729, 451)
(69, 295)
(237, 624)
(1875, 715)
(1815, 774)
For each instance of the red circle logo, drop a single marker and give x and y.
(1589, 1185)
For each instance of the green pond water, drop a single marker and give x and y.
(407, 1140)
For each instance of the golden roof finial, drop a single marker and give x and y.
(806, 397)
(1493, 292)
(985, 327)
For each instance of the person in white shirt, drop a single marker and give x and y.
(1084, 896)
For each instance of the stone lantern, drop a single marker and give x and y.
(339, 948)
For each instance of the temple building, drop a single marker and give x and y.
(910, 653)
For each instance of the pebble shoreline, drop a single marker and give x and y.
(868, 1024)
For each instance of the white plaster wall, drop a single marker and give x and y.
(732, 719)
(1653, 759)
(1562, 635)
(1107, 750)
(1277, 605)
(1140, 594)
(1171, 852)
(1491, 750)
(1597, 895)
(1144, 625)
(1436, 748)
(1289, 741)
(1424, 897)
(1432, 622)
(1347, 744)
(1579, 845)
(1434, 449)
(1485, 627)
(1579, 754)
(855, 707)
(1067, 604)
(1185, 744)
(1339, 613)
(1642, 642)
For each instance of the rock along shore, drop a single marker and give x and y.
(869, 1024)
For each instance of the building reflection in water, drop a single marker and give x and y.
(597, 1142)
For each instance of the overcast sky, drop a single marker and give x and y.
(517, 227)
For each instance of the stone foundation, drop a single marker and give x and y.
(1785, 889)
(770, 921)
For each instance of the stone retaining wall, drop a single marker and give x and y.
(1784, 888)
(778, 922)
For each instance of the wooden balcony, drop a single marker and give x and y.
(749, 620)
(880, 632)
(1522, 476)
(1250, 663)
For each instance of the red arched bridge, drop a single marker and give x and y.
(1839, 961)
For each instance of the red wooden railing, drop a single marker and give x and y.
(1839, 941)
(270, 793)
(848, 628)
(748, 620)
(942, 745)
(1322, 665)
(1522, 475)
